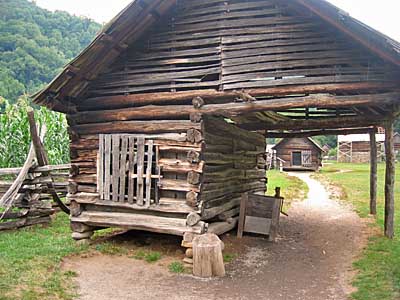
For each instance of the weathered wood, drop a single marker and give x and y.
(115, 154)
(43, 160)
(122, 171)
(131, 167)
(311, 133)
(150, 127)
(207, 256)
(373, 172)
(121, 101)
(219, 228)
(148, 172)
(140, 170)
(389, 179)
(139, 221)
(242, 215)
(107, 167)
(193, 177)
(100, 168)
(192, 219)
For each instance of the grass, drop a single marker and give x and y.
(176, 267)
(110, 248)
(379, 266)
(229, 257)
(30, 262)
(292, 188)
(150, 256)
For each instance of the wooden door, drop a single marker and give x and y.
(128, 169)
(306, 157)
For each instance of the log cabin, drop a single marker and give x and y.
(169, 106)
(299, 154)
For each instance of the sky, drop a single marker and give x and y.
(382, 15)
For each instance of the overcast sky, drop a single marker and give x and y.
(383, 15)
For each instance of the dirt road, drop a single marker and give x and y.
(311, 260)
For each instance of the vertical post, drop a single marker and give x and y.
(389, 180)
(373, 172)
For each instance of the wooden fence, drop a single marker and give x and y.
(33, 201)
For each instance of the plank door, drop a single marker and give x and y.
(306, 157)
(128, 170)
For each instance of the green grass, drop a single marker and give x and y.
(292, 188)
(176, 267)
(149, 256)
(379, 266)
(152, 257)
(110, 248)
(30, 262)
(229, 257)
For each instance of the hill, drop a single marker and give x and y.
(36, 43)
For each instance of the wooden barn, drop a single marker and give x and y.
(299, 154)
(169, 106)
(355, 148)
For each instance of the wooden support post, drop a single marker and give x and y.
(389, 180)
(373, 172)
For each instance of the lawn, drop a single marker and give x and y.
(30, 262)
(292, 188)
(379, 266)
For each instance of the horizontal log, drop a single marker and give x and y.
(317, 100)
(137, 127)
(209, 213)
(15, 171)
(135, 113)
(132, 100)
(139, 222)
(219, 228)
(180, 166)
(344, 131)
(319, 124)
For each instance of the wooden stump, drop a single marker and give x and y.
(207, 256)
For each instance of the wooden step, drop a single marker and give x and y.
(140, 222)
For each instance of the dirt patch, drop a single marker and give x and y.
(312, 259)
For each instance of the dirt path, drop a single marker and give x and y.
(311, 260)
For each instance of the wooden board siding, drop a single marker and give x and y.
(229, 45)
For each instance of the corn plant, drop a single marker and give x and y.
(15, 137)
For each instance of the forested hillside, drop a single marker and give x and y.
(35, 44)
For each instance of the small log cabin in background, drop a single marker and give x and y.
(299, 154)
(170, 105)
(355, 148)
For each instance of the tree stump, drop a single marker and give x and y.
(207, 256)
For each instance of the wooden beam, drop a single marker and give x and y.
(317, 100)
(321, 124)
(389, 179)
(311, 133)
(134, 100)
(373, 172)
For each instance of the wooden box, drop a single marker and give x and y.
(259, 214)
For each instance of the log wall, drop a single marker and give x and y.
(234, 164)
